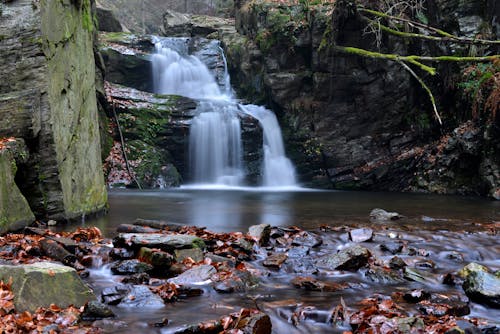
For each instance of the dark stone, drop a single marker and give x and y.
(256, 323)
(160, 260)
(425, 264)
(106, 20)
(380, 215)
(397, 263)
(414, 296)
(351, 258)
(121, 253)
(384, 275)
(298, 252)
(96, 310)
(260, 233)
(312, 284)
(140, 278)
(392, 247)
(130, 267)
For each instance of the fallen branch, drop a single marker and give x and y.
(127, 164)
(446, 37)
(427, 89)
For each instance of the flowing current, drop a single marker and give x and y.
(215, 146)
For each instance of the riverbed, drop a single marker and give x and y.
(436, 226)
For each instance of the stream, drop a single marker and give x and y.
(438, 227)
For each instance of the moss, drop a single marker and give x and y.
(88, 18)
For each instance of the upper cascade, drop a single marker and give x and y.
(215, 146)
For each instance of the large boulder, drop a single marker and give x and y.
(350, 258)
(44, 283)
(48, 92)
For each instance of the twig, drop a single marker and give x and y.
(427, 89)
(127, 164)
(445, 35)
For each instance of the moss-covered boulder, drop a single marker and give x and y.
(47, 57)
(43, 283)
(15, 212)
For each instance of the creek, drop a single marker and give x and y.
(435, 225)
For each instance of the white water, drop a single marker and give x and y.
(215, 149)
(278, 169)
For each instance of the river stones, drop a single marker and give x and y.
(166, 242)
(196, 275)
(380, 215)
(260, 233)
(361, 234)
(384, 275)
(350, 258)
(45, 283)
(483, 287)
(160, 260)
(130, 267)
(275, 260)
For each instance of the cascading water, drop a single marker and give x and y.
(278, 169)
(215, 148)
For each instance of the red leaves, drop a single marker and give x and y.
(6, 298)
(168, 291)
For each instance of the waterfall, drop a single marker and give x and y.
(215, 152)
(215, 148)
(278, 170)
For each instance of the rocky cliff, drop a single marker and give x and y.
(48, 98)
(362, 123)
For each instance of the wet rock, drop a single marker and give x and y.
(397, 263)
(361, 234)
(409, 325)
(415, 296)
(470, 268)
(129, 228)
(244, 244)
(177, 268)
(121, 254)
(195, 254)
(384, 275)
(157, 240)
(380, 215)
(256, 323)
(110, 325)
(351, 258)
(107, 21)
(439, 306)
(300, 266)
(96, 310)
(275, 260)
(139, 296)
(453, 255)
(44, 283)
(196, 275)
(158, 224)
(312, 284)
(114, 295)
(392, 247)
(483, 287)
(160, 260)
(308, 240)
(260, 233)
(418, 276)
(425, 264)
(141, 278)
(465, 327)
(130, 267)
(218, 258)
(298, 252)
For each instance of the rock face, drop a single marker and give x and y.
(44, 283)
(49, 99)
(361, 123)
(15, 212)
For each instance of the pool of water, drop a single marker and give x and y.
(438, 224)
(237, 209)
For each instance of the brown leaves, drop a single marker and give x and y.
(25, 322)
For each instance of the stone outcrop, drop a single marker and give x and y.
(48, 98)
(15, 212)
(361, 123)
(44, 283)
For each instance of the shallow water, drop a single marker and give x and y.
(437, 224)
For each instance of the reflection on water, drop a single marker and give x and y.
(235, 210)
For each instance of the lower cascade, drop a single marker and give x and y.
(215, 145)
